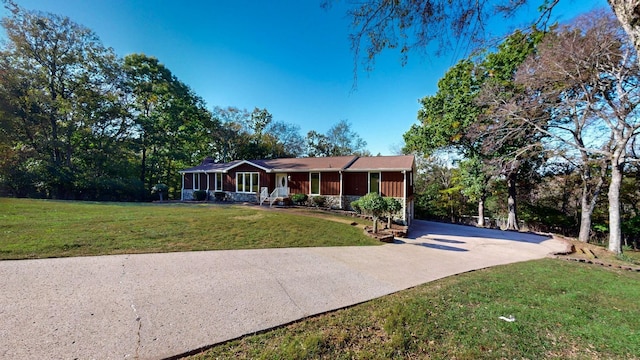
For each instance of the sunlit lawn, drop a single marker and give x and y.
(562, 310)
(43, 229)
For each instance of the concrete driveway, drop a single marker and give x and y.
(155, 306)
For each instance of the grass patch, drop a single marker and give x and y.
(563, 310)
(43, 228)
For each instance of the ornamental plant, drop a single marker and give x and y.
(373, 204)
(392, 207)
(160, 189)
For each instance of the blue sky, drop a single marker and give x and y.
(291, 57)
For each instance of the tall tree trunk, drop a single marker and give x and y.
(512, 220)
(628, 13)
(588, 202)
(615, 231)
(481, 211)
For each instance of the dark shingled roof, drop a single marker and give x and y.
(211, 167)
(385, 163)
(306, 164)
(335, 163)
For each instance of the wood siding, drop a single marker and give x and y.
(329, 183)
(299, 183)
(355, 183)
(392, 184)
(230, 181)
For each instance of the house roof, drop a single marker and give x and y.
(385, 163)
(335, 163)
(210, 166)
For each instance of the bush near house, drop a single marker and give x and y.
(299, 199)
(199, 195)
(355, 205)
(319, 201)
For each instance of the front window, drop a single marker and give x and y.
(374, 183)
(247, 182)
(315, 183)
(218, 182)
(196, 181)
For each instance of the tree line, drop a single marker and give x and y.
(79, 122)
(546, 111)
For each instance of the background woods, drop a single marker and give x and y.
(78, 122)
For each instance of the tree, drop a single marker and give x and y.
(373, 204)
(474, 178)
(60, 97)
(340, 140)
(456, 117)
(581, 91)
(407, 25)
(392, 206)
(286, 140)
(172, 122)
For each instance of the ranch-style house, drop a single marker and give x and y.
(340, 180)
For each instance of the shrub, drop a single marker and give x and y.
(373, 204)
(392, 206)
(200, 195)
(355, 205)
(319, 201)
(299, 199)
(161, 189)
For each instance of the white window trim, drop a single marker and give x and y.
(196, 181)
(251, 184)
(319, 182)
(217, 186)
(379, 180)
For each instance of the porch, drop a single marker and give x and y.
(280, 193)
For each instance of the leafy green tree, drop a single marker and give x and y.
(392, 206)
(60, 95)
(340, 140)
(456, 117)
(474, 180)
(373, 204)
(581, 92)
(172, 123)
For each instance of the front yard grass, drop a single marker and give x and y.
(562, 310)
(44, 229)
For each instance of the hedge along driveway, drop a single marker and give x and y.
(43, 229)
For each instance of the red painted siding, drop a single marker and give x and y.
(355, 183)
(228, 182)
(299, 183)
(329, 183)
(264, 179)
(392, 184)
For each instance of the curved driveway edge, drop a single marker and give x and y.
(154, 306)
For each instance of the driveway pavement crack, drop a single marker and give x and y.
(129, 299)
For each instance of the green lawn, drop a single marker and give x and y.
(43, 229)
(563, 310)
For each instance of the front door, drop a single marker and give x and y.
(282, 185)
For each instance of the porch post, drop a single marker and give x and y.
(341, 196)
(182, 190)
(404, 197)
